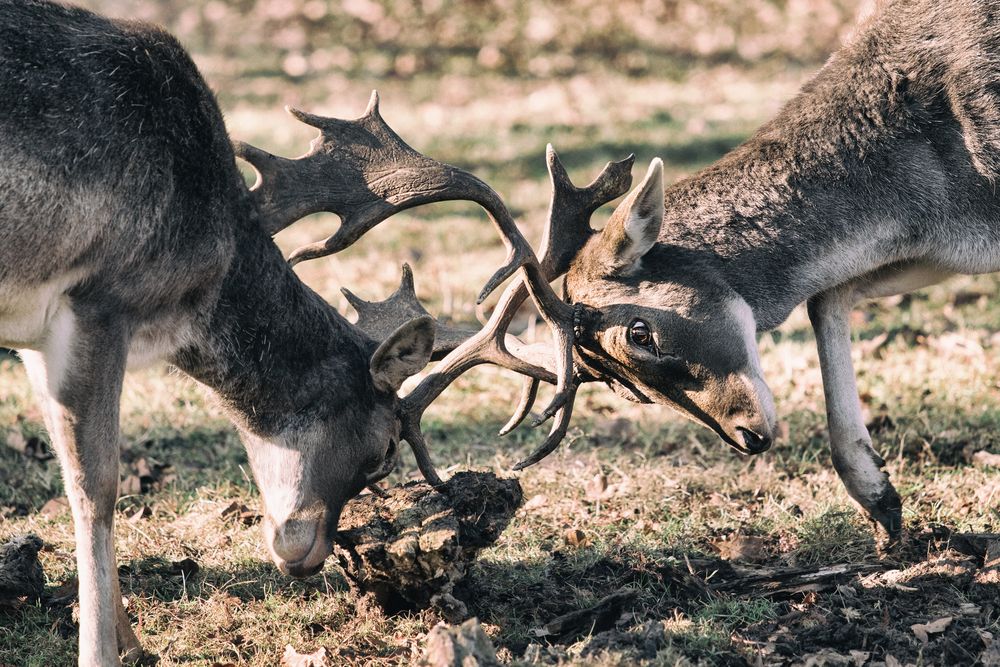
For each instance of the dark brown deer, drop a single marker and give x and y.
(127, 235)
(878, 178)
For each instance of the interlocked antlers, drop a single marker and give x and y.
(365, 172)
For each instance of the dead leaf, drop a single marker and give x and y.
(740, 547)
(575, 537)
(596, 487)
(536, 502)
(55, 507)
(130, 486)
(293, 658)
(142, 512)
(892, 661)
(242, 513)
(923, 630)
(65, 593)
(986, 459)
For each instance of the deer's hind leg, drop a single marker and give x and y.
(77, 376)
(856, 462)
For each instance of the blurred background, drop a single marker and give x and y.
(485, 85)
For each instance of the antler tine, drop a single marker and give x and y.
(364, 172)
(486, 346)
(379, 319)
(567, 229)
(556, 434)
(568, 226)
(529, 390)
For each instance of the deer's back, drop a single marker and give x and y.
(117, 180)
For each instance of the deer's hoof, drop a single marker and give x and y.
(886, 510)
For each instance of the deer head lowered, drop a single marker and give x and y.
(610, 336)
(283, 191)
(129, 236)
(876, 179)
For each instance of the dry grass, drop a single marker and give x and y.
(678, 490)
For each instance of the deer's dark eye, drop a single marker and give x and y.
(640, 334)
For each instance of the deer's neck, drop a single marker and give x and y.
(857, 172)
(269, 340)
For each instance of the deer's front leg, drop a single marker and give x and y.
(78, 377)
(858, 465)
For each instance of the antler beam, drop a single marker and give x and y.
(364, 172)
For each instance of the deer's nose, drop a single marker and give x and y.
(755, 442)
(294, 539)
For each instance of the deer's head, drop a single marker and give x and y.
(656, 331)
(340, 433)
(662, 327)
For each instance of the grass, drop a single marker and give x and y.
(931, 386)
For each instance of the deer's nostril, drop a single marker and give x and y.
(755, 443)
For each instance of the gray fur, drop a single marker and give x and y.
(879, 176)
(127, 234)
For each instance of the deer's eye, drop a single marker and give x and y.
(640, 334)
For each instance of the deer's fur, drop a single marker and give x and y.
(127, 234)
(879, 177)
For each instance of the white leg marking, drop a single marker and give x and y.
(91, 482)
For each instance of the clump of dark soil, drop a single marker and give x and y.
(20, 572)
(410, 549)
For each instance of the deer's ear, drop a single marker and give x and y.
(404, 353)
(635, 224)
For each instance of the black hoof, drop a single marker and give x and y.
(887, 511)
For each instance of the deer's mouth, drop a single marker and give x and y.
(628, 392)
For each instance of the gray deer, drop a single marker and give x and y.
(128, 235)
(878, 178)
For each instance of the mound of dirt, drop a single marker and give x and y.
(20, 572)
(410, 549)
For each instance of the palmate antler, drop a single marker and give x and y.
(365, 172)
(567, 230)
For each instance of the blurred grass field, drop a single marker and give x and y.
(485, 86)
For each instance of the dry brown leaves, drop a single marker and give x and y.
(32, 447)
(738, 547)
(237, 511)
(924, 630)
(293, 658)
(144, 476)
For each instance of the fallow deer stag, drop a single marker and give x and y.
(569, 216)
(127, 235)
(878, 178)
